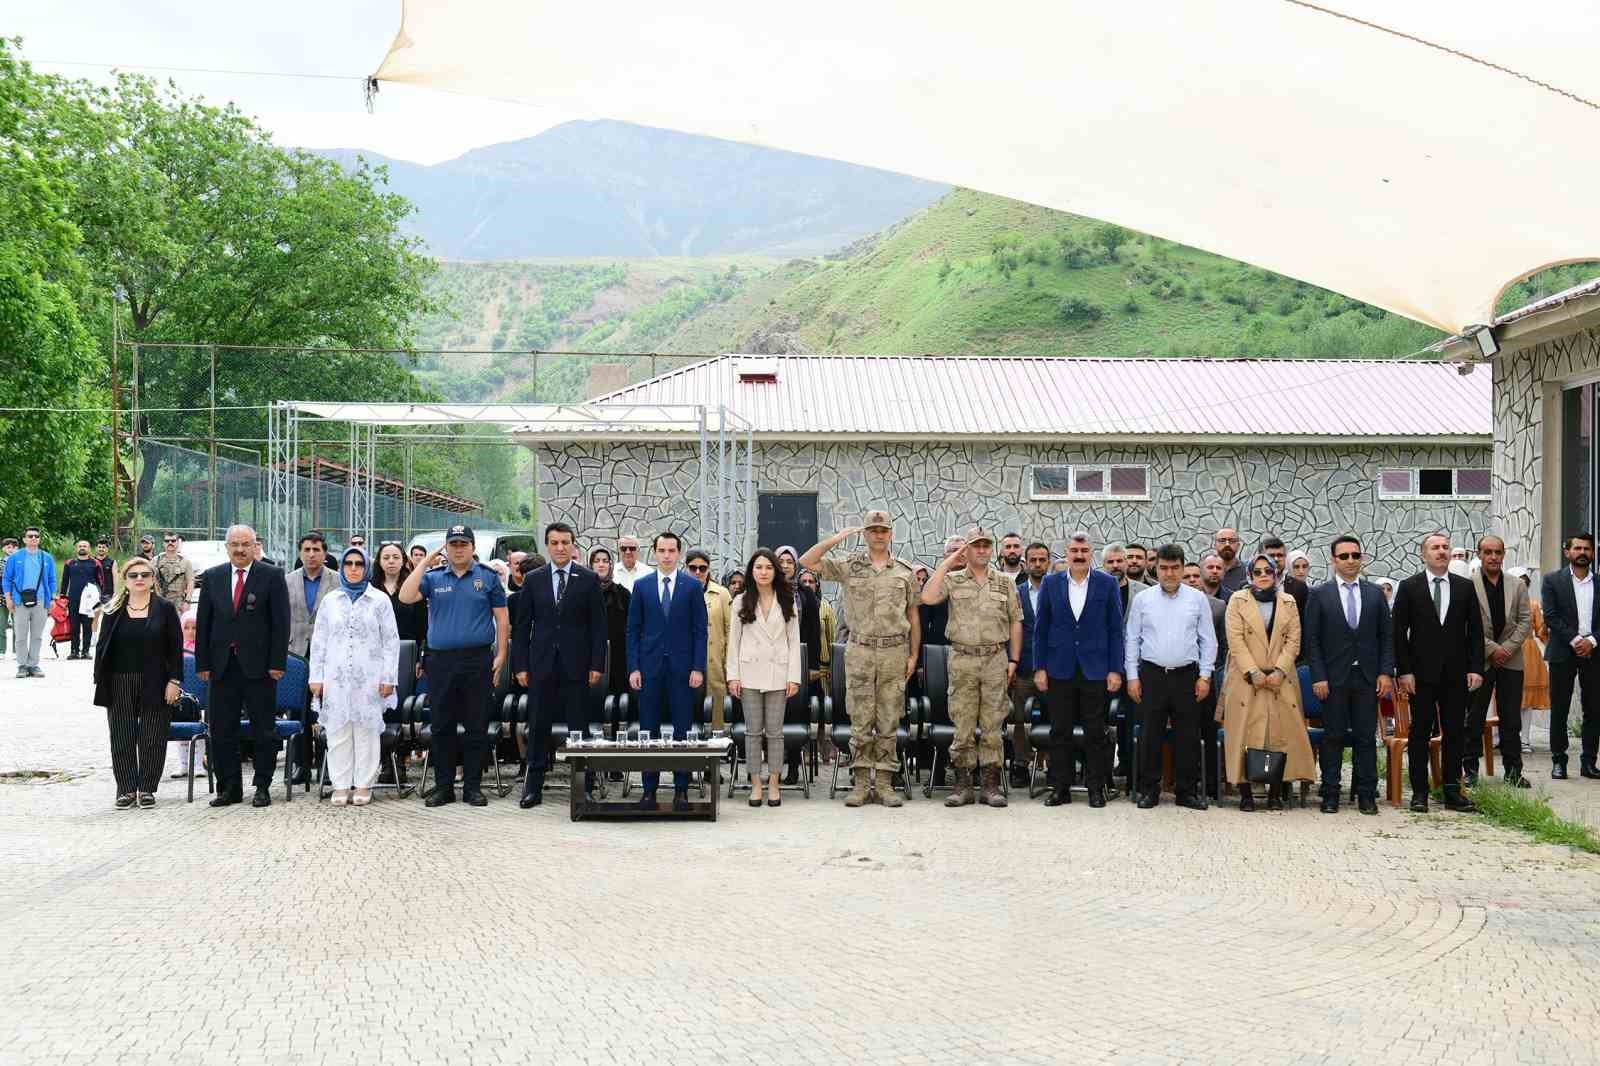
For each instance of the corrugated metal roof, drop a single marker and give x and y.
(937, 396)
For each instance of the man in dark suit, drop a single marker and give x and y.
(1507, 622)
(1570, 613)
(666, 654)
(241, 646)
(1438, 653)
(1194, 575)
(1036, 564)
(1077, 658)
(558, 649)
(1350, 649)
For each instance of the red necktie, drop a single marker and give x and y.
(238, 589)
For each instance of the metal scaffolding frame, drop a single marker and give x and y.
(724, 525)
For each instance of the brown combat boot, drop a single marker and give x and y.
(883, 788)
(992, 794)
(858, 794)
(962, 795)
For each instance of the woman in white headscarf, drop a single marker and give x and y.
(355, 657)
(1300, 565)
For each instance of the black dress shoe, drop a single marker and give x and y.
(227, 799)
(1147, 801)
(1058, 797)
(1097, 797)
(1193, 803)
(1367, 805)
(1247, 798)
(648, 802)
(440, 798)
(263, 798)
(790, 778)
(1514, 778)
(1454, 801)
(530, 799)
(680, 802)
(1419, 804)
(475, 799)
(755, 799)
(1330, 805)
(1559, 771)
(1588, 770)
(302, 776)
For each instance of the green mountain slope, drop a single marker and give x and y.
(970, 274)
(977, 273)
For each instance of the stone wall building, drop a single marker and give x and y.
(1545, 362)
(1141, 450)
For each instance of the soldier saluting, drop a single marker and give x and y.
(985, 631)
(880, 606)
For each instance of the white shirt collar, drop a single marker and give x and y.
(1585, 580)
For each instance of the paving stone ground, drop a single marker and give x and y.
(808, 934)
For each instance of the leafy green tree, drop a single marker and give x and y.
(1111, 237)
(206, 232)
(50, 361)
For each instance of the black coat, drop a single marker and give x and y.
(1437, 654)
(1333, 650)
(616, 599)
(163, 658)
(259, 629)
(411, 619)
(1561, 615)
(810, 625)
(565, 640)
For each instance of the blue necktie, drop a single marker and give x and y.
(1350, 605)
(666, 595)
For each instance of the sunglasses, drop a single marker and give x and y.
(1347, 556)
(628, 548)
(356, 563)
(137, 575)
(1261, 573)
(697, 569)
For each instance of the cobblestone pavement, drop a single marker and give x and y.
(309, 934)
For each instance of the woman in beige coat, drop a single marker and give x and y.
(1261, 699)
(764, 665)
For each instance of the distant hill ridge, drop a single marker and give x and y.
(603, 188)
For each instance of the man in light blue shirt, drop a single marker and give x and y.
(30, 585)
(1170, 650)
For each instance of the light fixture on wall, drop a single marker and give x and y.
(1484, 336)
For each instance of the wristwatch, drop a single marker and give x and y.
(1250, 676)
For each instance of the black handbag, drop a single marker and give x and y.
(1264, 766)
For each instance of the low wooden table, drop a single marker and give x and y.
(705, 757)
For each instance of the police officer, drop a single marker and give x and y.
(467, 631)
(880, 604)
(985, 631)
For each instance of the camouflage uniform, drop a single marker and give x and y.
(876, 603)
(174, 579)
(979, 629)
(719, 608)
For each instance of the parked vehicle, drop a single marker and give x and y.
(488, 543)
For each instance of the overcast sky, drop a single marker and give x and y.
(346, 38)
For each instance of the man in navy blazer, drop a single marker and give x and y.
(1349, 643)
(666, 653)
(1077, 657)
(558, 649)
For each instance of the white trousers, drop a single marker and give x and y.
(353, 757)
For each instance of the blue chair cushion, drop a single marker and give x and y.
(186, 730)
(283, 727)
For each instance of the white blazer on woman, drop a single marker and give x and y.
(764, 655)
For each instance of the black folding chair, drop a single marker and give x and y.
(1039, 738)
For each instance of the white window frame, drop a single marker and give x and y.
(1415, 473)
(1104, 469)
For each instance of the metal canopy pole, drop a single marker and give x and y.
(723, 547)
(702, 515)
(750, 532)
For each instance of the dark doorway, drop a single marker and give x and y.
(786, 518)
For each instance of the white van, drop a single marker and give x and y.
(489, 543)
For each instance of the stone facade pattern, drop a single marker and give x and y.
(1520, 383)
(1304, 494)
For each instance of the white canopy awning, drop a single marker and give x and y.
(1419, 161)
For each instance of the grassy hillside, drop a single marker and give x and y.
(977, 273)
(971, 274)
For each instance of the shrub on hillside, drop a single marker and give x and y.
(1077, 309)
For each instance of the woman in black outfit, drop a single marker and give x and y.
(138, 669)
(810, 631)
(410, 618)
(616, 601)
